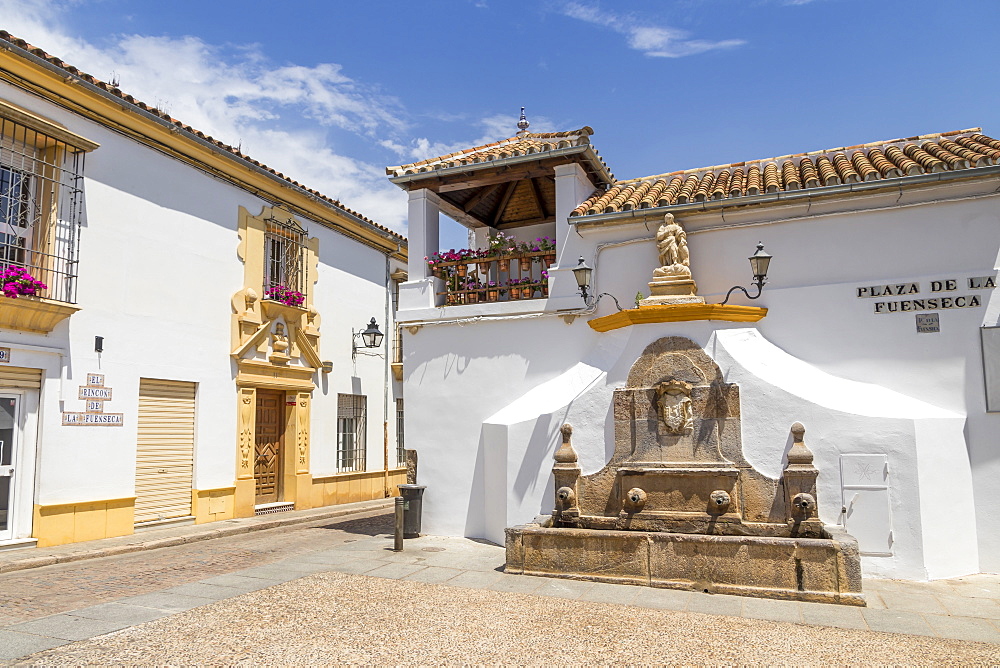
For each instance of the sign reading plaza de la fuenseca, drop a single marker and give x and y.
(939, 298)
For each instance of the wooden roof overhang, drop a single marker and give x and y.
(505, 193)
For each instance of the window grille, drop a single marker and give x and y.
(397, 345)
(284, 249)
(41, 197)
(352, 413)
(400, 448)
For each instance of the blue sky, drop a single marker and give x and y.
(332, 92)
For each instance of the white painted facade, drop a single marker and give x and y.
(158, 268)
(489, 385)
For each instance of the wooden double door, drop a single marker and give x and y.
(269, 445)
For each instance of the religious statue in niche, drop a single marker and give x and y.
(279, 344)
(671, 244)
(672, 282)
(673, 399)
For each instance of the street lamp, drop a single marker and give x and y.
(759, 262)
(371, 338)
(583, 274)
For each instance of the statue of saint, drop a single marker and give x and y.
(671, 243)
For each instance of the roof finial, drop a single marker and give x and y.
(522, 124)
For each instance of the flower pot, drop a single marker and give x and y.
(462, 269)
(525, 264)
(504, 263)
(516, 293)
(549, 260)
(472, 298)
(438, 272)
(492, 295)
(484, 268)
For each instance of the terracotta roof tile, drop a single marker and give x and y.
(896, 158)
(128, 99)
(528, 143)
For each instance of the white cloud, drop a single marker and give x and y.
(278, 114)
(652, 40)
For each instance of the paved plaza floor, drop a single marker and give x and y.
(446, 600)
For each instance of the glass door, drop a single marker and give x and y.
(9, 436)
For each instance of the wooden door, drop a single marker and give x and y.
(269, 439)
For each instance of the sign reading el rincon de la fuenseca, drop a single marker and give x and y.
(940, 294)
(95, 394)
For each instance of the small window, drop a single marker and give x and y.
(284, 255)
(352, 414)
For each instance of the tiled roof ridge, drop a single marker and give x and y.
(894, 158)
(582, 136)
(809, 154)
(117, 92)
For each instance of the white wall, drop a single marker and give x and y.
(158, 268)
(880, 386)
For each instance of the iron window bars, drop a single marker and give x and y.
(41, 207)
(285, 249)
(352, 414)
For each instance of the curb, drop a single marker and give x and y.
(250, 526)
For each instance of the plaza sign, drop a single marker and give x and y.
(937, 300)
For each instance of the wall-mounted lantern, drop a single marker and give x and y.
(583, 275)
(759, 262)
(370, 338)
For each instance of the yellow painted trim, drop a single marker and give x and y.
(33, 314)
(48, 128)
(677, 313)
(356, 486)
(272, 376)
(88, 520)
(213, 505)
(76, 96)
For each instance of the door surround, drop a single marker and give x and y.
(295, 480)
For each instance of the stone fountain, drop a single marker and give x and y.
(679, 506)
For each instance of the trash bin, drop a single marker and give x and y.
(412, 501)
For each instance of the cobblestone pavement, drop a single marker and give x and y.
(39, 592)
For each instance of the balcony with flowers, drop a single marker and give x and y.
(506, 270)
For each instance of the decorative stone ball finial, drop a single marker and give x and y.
(522, 124)
(799, 454)
(566, 454)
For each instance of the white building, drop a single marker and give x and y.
(881, 288)
(158, 377)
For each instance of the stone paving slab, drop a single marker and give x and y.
(14, 644)
(68, 627)
(168, 602)
(121, 612)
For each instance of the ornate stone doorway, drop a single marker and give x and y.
(269, 439)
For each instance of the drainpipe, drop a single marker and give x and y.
(385, 382)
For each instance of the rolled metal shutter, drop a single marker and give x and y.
(164, 461)
(15, 376)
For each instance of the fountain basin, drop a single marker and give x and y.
(824, 570)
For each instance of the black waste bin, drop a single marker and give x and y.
(412, 501)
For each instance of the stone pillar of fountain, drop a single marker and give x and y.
(566, 472)
(799, 481)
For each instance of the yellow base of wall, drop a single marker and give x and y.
(212, 505)
(354, 487)
(77, 522)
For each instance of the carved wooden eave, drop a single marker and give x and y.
(504, 193)
(677, 313)
(33, 314)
